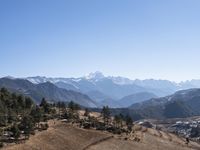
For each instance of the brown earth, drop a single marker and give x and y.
(61, 136)
(149, 140)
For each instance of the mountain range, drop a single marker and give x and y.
(95, 89)
(110, 90)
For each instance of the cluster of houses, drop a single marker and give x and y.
(188, 129)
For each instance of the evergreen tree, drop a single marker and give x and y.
(117, 120)
(106, 114)
(87, 113)
(71, 106)
(16, 132)
(36, 115)
(28, 103)
(45, 105)
(76, 107)
(27, 126)
(20, 100)
(129, 122)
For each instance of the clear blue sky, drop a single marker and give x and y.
(132, 38)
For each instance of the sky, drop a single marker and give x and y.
(142, 39)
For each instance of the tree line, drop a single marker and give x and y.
(20, 116)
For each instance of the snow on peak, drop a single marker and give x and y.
(121, 80)
(96, 75)
(9, 77)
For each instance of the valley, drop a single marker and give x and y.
(113, 121)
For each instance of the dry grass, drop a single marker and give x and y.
(61, 136)
(148, 141)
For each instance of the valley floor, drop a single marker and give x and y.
(62, 136)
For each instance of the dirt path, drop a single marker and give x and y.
(97, 142)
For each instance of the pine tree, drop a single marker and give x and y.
(36, 115)
(87, 113)
(117, 120)
(28, 103)
(45, 105)
(129, 122)
(16, 132)
(27, 126)
(106, 114)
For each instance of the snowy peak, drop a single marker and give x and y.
(121, 80)
(37, 79)
(94, 76)
(109, 84)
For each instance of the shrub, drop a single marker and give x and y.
(1, 144)
(46, 126)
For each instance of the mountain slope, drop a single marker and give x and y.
(67, 86)
(47, 90)
(135, 98)
(97, 96)
(114, 87)
(93, 81)
(62, 136)
(183, 103)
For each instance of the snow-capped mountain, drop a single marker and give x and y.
(111, 86)
(121, 80)
(116, 87)
(94, 76)
(108, 88)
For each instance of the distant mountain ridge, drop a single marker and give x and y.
(135, 98)
(46, 90)
(183, 103)
(110, 90)
(117, 87)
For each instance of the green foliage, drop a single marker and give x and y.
(36, 115)
(12, 106)
(93, 121)
(16, 132)
(27, 125)
(20, 115)
(21, 101)
(45, 106)
(118, 119)
(176, 109)
(28, 102)
(61, 105)
(129, 122)
(87, 113)
(106, 114)
(73, 106)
